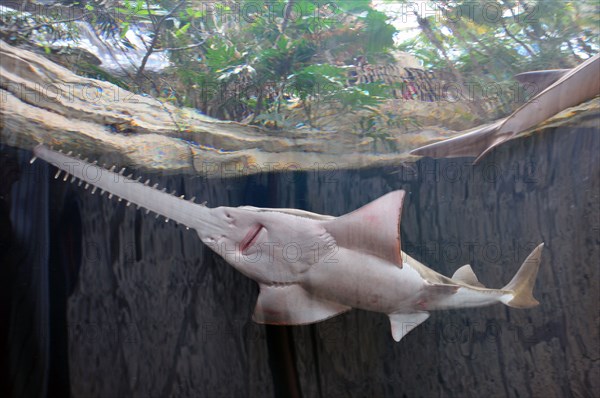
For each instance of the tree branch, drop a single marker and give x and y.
(181, 48)
(29, 29)
(522, 43)
(156, 27)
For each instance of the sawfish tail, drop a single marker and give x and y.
(520, 288)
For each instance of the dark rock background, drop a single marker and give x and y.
(153, 312)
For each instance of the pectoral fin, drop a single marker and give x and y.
(404, 323)
(292, 305)
(472, 143)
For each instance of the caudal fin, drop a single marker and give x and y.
(521, 285)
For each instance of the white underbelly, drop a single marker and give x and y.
(360, 280)
(467, 297)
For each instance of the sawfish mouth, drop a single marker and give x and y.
(251, 237)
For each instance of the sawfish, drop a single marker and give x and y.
(560, 89)
(311, 267)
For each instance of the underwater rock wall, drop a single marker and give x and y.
(155, 313)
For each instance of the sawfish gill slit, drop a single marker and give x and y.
(251, 237)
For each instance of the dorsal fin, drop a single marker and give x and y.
(466, 275)
(541, 79)
(373, 228)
